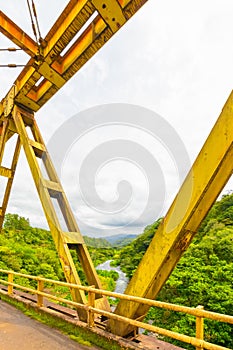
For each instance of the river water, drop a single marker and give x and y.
(122, 281)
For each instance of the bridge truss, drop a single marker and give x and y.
(88, 25)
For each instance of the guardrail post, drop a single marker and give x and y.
(199, 327)
(91, 303)
(40, 288)
(10, 280)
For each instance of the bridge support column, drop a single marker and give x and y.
(53, 198)
(205, 181)
(8, 173)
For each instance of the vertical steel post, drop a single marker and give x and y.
(10, 280)
(91, 303)
(200, 327)
(40, 288)
(8, 173)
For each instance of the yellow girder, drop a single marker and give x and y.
(17, 35)
(85, 22)
(207, 177)
(80, 31)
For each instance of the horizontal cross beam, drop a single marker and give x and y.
(17, 35)
(80, 31)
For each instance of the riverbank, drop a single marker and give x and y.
(121, 282)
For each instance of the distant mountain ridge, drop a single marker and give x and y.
(120, 239)
(97, 242)
(117, 241)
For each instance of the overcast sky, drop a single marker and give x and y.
(173, 58)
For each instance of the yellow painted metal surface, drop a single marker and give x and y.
(17, 35)
(54, 63)
(111, 12)
(200, 327)
(52, 60)
(91, 310)
(203, 184)
(49, 189)
(5, 134)
(5, 172)
(8, 102)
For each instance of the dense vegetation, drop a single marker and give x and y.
(120, 240)
(31, 251)
(203, 276)
(129, 256)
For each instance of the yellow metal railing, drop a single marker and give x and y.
(198, 312)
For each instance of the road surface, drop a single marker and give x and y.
(19, 332)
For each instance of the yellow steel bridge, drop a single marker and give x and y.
(49, 67)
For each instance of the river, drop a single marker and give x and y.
(122, 281)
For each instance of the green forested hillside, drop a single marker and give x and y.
(120, 240)
(31, 251)
(129, 256)
(97, 242)
(204, 275)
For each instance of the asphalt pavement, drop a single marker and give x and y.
(20, 332)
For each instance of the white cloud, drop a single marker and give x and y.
(172, 57)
